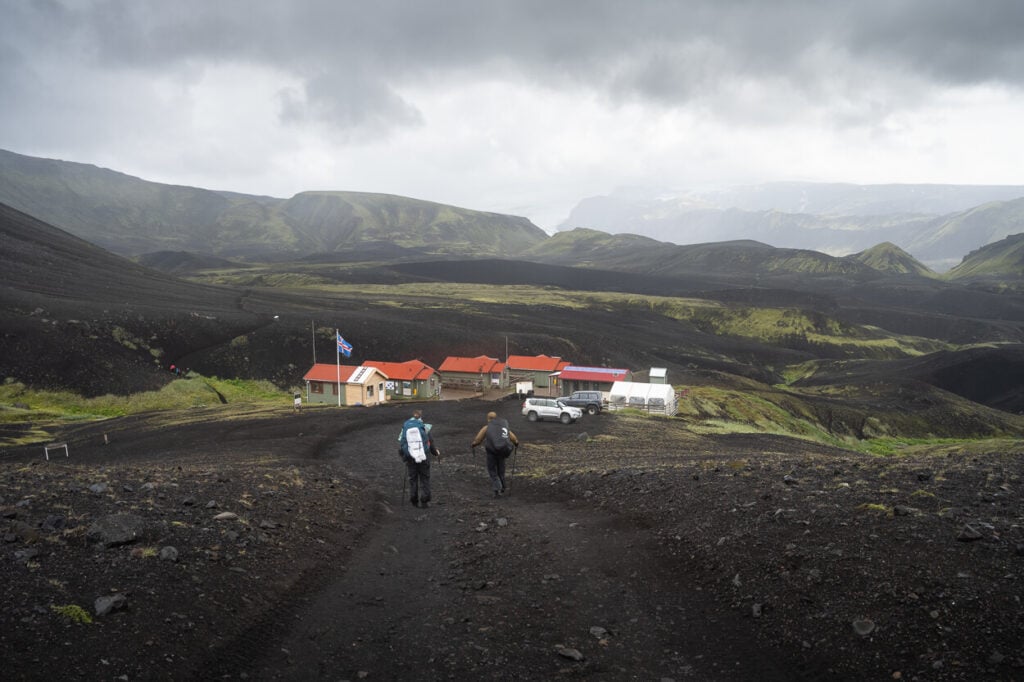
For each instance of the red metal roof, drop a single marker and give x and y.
(478, 365)
(410, 370)
(536, 363)
(326, 372)
(605, 374)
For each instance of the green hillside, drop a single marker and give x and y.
(333, 220)
(1002, 259)
(633, 253)
(131, 216)
(889, 258)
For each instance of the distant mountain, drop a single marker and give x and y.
(935, 223)
(887, 257)
(1002, 260)
(847, 199)
(741, 260)
(130, 216)
(952, 236)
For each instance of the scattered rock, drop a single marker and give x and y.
(24, 532)
(107, 604)
(25, 555)
(53, 523)
(789, 480)
(755, 610)
(98, 488)
(188, 502)
(863, 627)
(969, 534)
(168, 553)
(598, 631)
(567, 652)
(502, 522)
(212, 504)
(225, 516)
(117, 529)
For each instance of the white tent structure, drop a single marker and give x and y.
(653, 398)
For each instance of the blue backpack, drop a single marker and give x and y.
(414, 440)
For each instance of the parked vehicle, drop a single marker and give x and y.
(591, 401)
(536, 409)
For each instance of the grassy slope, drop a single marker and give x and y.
(1004, 258)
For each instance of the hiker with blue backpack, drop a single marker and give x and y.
(415, 448)
(499, 442)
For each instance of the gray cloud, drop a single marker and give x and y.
(668, 47)
(664, 52)
(310, 74)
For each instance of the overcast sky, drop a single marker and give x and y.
(520, 107)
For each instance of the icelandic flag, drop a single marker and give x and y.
(344, 347)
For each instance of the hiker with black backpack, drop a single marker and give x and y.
(499, 442)
(415, 447)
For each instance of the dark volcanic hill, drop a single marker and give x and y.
(183, 262)
(992, 376)
(131, 216)
(76, 316)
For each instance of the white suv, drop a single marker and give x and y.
(549, 408)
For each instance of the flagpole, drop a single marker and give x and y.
(337, 335)
(312, 325)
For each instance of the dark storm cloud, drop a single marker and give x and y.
(668, 52)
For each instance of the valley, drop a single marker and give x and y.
(838, 497)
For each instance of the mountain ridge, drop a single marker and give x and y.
(131, 216)
(938, 238)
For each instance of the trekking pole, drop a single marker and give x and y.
(515, 451)
(444, 477)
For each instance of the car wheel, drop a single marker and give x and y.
(593, 409)
(566, 418)
(532, 416)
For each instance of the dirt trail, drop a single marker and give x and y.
(472, 587)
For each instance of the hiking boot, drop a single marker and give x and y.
(424, 504)
(497, 494)
(415, 502)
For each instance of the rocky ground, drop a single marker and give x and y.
(254, 545)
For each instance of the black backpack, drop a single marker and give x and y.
(497, 440)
